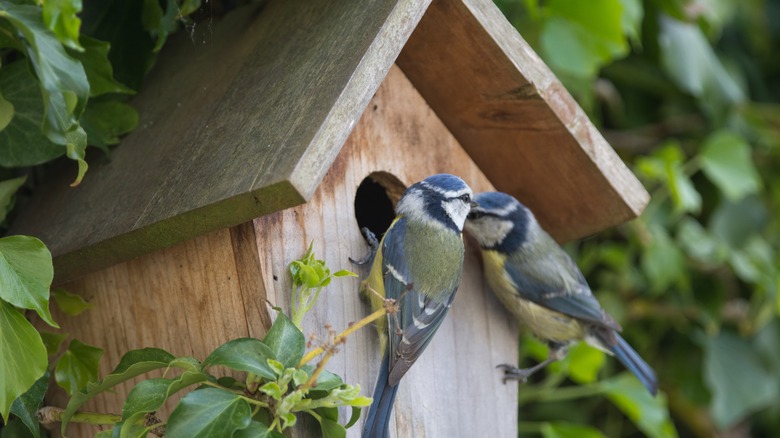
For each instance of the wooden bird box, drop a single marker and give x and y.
(291, 122)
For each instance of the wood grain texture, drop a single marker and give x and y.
(516, 121)
(454, 389)
(187, 299)
(238, 119)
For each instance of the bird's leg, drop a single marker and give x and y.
(557, 352)
(373, 246)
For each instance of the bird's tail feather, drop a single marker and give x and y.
(634, 363)
(377, 424)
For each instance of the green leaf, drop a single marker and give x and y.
(6, 111)
(272, 389)
(8, 189)
(326, 381)
(650, 414)
(631, 21)
(62, 79)
(24, 143)
(666, 165)
(68, 303)
(739, 382)
(60, 16)
(585, 362)
(209, 412)
(331, 428)
(725, 159)
(105, 121)
(15, 429)
(98, 68)
(344, 273)
(77, 366)
(354, 417)
(158, 22)
(578, 38)
(243, 354)
(22, 356)
(150, 395)
(663, 262)
(52, 341)
(26, 406)
(26, 273)
(133, 363)
(187, 364)
(257, 429)
(286, 341)
(734, 223)
(699, 244)
(692, 63)
(569, 430)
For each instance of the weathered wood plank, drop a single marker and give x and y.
(238, 119)
(454, 389)
(187, 299)
(516, 120)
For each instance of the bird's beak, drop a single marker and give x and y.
(474, 204)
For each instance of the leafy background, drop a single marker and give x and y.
(687, 92)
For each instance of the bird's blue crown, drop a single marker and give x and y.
(426, 199)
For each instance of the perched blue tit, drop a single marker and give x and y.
(542, 286)
(418, 264)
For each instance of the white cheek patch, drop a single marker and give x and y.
(457, 210)
(490, 231)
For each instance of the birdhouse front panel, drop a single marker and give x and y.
(454, 389)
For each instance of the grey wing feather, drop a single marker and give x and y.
(551, 279)
(419, 316)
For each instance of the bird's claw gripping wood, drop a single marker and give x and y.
(373, 246)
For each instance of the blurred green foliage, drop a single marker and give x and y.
(687, 92)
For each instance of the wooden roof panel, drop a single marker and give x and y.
(516, 120)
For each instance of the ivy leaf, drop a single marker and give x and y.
(650, 414)
(77, 366)
(344, 273)
(257, 429)
(68, 303)
(150, 395)
(8, 189)
(326, 381)
(158, 22)
(569, 430)
(663, 261)
(24, 144)
(725, 159)
(133, 363)
(739, 382)
(209, 412)
(62, 79)
(61, 17)
(98, 68)
(580, 37)
(331, 427)
(26, 406)
(52, 341)
(585, 362)
(105, 121)
(26, 273)
(243, 354)
(6, 112)
(286, 341)
(22, 356)
(692, 63)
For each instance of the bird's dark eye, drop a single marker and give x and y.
(465, 198)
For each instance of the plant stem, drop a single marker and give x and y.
(51, 414)
(343, 335)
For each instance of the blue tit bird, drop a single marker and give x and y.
(542, 286)
(418, 264)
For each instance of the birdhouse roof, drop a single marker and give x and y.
(244, 118)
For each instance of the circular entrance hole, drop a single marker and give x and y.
(375, 201)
